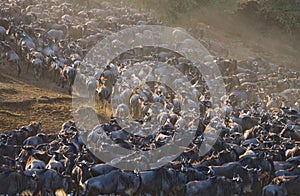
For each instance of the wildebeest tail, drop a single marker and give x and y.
(85, 188)
(60, 192)
(26, 193)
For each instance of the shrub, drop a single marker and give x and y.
(285, 13)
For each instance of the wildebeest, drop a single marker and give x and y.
(14, 182)
(101, 169)
(33, 163)
(38, 139)
(123, 183)
(11, 151)
(57, 35)
(227, 67)
(68, 75)
(10, 56)
(7, 161)
(92, 84)
(37, 61)
(161, 181)
(2, 33)
(290, 183)
(49, 181)
(232, 169)
(274, 190)
(104, 93)
(80, 174)
(55, 165)
(214, 186)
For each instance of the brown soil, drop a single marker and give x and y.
(24, 99)
(247, 35)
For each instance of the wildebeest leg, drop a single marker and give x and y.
(56, 77)
(20, 49)
(61, 81)
(77, 191)
(40, 71)
(35, 72)
(105, 106)
(2, 59)
(70, 89)
(28, 65)
(18, 69)
(44, 193)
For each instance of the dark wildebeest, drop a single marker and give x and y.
(10, 55)
(216, 186)
(290, 183)
(14, 182)
(49, 181)
(274, 190)
(123, 183)
(68, 75)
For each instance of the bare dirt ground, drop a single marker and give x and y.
(248, 36)
(24, 99)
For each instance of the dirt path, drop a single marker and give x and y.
(24, 100)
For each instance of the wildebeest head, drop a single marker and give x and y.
(67, 125)
(24, 154)
(34, 128)
(33, 163)
(292, 132)
(194, 174)
(228, 156)
(237, 185)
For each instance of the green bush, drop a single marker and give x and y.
(170, 10)
(228, 6)
(283, 12)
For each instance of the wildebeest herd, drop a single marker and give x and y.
(256, 153)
